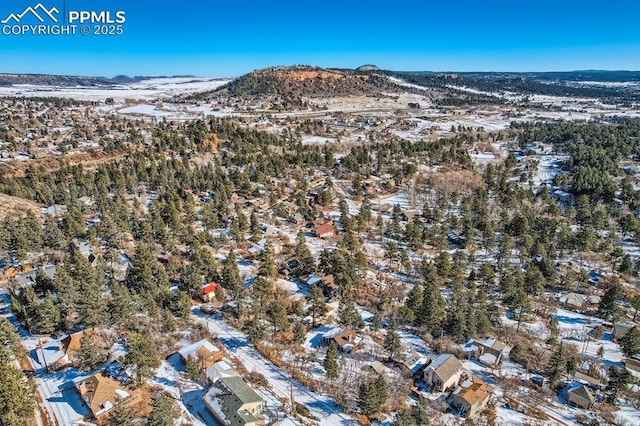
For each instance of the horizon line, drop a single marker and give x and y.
(315, 66)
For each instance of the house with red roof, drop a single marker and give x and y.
(325, 229)
(208, 292)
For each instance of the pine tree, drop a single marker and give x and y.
(268, 266)
(256, 331)
(164, 413)
(392, 343)
(349, 316)
(89, 356)
(331, 361)
(121, 304)
(432, 310)
(556, 366)
(16, 396)
(609, 305)
(630, 342)
(121, 415)
(303, 254)
(619, 378)
(382, 390)
(367, 399)
(482, 318)
(414, 299)
(9, 340)
(277, 314)
(254, 227)
(371, 396)
(190, 278)
(421, 414)
(263, 293)
(67, 292)
(299, 332)
(404, 418)
(47, 317)
(317, 304)
(53, 236)
(456, 322)
(192, 368)
(140, 274)
(231, 274)
(142, 356)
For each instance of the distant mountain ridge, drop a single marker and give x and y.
(368, 67)
(74, 81)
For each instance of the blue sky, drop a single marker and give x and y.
(228, 38)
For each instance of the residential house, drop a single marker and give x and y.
(71, 345)
(102, 393)
(471, 397)
(632, 363)
(622, 328)
(329, 287)
(208, 292)
(489, 351)
(311, 279)
(55, 210)
(327, 283)
(444, 373)
(86, 201)
(203, 351)
(324, 228)
(9, 273)
(580, 396)
(297, 219)
(573, 301)
(584, 378)
(233, 403)
(410, 362)
(375, 367)
(219, 370)
(345, 338)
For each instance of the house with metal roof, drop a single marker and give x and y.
(233, 403)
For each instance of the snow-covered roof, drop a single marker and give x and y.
(332, 333)
(221, 369)
(445, 366)
(194, 348)
(314, 280)
(488, 358)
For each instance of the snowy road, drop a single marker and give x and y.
(235, 342)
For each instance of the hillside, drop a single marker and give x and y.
(52, 80)
(291, 84)
(66, 80)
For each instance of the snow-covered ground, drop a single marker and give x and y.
(59, 396)
(281, 383)
(156, 88)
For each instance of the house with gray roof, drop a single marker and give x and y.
(580, 396)
(444, 373)
(233, 403)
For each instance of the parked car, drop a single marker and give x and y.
(208, 309)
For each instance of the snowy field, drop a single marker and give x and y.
(155, 88)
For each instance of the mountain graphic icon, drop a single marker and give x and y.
(38, 11)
